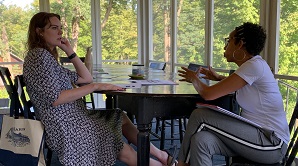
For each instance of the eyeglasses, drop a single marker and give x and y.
(227, 40)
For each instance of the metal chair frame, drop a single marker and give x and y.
(164, 121)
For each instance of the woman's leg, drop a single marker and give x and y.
(130, 132)
(128, 155)
(237, 138)
(203, 145)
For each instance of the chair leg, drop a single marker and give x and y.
(49, 157)
(157, 125)
(172, 131)
(84, 99)
(180, 130)
(185, 122)
(92, 101)
(162, 134)
(172, 124)
(227, 160)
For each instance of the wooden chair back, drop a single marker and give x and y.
(293, 144)
(15, 109)
(7, 81)
(25, 101)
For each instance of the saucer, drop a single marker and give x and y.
(136, 77)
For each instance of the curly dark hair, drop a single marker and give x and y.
(253, 36)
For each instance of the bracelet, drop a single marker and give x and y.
(72, 56)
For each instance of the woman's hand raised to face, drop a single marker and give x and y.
(65, 46)
(188, 75)
(105, 86)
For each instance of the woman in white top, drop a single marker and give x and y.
(210, 132)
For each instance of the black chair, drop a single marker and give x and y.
(291, 151)
(182, 121)
(28, 107)
(65, 60)
(12, 92)
(16, 107)
(25, 103)
(165, 122)
(6, 79)
(168, 123)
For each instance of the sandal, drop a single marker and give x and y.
(171, 161)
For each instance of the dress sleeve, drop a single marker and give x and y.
(72, 75)
(44, 77)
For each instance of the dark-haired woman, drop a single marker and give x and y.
(78, 136)
(210, 132)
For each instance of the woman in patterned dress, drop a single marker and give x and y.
(77, 135)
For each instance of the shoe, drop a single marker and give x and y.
(171, 161)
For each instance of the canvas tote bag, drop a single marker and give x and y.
(21, 142)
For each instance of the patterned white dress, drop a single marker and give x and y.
(78, 136)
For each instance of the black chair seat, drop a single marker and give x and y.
(241, 161)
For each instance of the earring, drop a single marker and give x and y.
(239, 59)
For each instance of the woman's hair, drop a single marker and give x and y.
(35, 40)
(253, 36)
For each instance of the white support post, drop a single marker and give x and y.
(173, 36)
(209, 32)
(145, 41)
(270, 20)
(96, 46)
(44, 5)
(96, 32)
